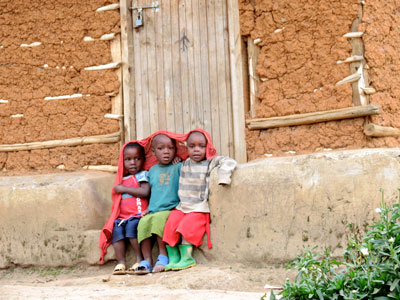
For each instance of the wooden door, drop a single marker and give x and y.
(182, 71)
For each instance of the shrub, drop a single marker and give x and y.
(370, 269)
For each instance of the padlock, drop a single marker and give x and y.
(139, 19)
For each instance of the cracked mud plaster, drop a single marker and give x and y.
(301, 41)
(55, 68)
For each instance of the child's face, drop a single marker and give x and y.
(164, 149)
(133, 160)
(196, 144)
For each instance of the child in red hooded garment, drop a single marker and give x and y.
(187, 223)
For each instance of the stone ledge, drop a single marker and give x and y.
(50, 219)
(272, 208)
(275, 206)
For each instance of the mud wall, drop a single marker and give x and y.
(55, 67)
(301, 42)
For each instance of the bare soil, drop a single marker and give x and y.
(204, 281)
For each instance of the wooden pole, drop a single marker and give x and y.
(374, 130)
(237, 82)
(127, 67)
(86, 140)
(314, 117)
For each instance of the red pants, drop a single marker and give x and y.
(191, 226)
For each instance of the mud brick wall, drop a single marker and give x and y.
(301, 41)
(55, 68)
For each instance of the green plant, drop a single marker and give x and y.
(370, 269)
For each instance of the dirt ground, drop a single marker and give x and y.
(204, 281)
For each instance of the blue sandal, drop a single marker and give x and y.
(162, 260)
(143, 268)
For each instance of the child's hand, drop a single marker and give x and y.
(119, 188)
(145, 212)
(176, 160)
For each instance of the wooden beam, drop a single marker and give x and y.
(239, 141)
(314, 117)
(86, 140)
(127, 64)
(374, 130)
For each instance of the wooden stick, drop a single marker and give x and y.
(113, 116)
(351, 59)
(106, 168)
(254, 82)
(104, 37)
(314, 117)
(112, 65)
(108, 7)
(369, 90)
(380, 131)
(353, 34)
(64, 97)
(34, 44)
(86, 140)
(352, 78)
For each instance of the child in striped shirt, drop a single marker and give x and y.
(188, 222)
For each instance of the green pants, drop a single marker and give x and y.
(152, 224)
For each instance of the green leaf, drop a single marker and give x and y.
(272, 296)
(394, 284)
(376, 291)
(382, 298)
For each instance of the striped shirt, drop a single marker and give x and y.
(194, 182)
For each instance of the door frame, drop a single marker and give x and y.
(235, 53)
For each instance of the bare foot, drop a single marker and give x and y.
(158, 268)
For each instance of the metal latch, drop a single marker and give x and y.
(139, 19)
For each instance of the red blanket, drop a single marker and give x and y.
(106, 233)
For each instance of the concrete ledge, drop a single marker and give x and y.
(53, 219)
(275, 206)
(272, 208)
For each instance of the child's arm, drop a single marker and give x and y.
(142, 192)
(225, 165)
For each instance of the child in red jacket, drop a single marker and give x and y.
(134, 191)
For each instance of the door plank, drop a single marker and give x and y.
(198, 107)
(191, 66)
(149, 25)
(221, 74)
(176, 70)
(213, 76)
(228, 80)
(159, 28)
(204, 66)
(137, 67)
(184, 71)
